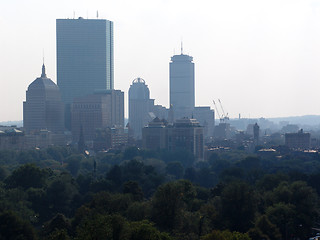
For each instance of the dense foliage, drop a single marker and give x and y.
(57, 193)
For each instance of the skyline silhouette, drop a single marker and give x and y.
(260, 59)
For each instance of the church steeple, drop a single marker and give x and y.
(43, 75)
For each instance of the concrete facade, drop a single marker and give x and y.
(184, 135)
(97, 111)
(182, 92)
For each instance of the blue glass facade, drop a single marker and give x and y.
(84, 56)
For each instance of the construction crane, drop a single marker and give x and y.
(225, 116)
(215, 106)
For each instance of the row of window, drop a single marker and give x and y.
(86, 106)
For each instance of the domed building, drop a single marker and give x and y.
(43, 108)
(140, 106)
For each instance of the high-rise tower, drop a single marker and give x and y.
(43, 108)
(182, 97)
(84, 58)
(140, 106)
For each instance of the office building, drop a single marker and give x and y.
(205, 116)
(110, 138)
(103, 109)
(187, 135)
(299, 140)
(84, 58)
(256, 133)
(222, 131)
(184, 135)
(43, 108)
(182, 96)
(154, 135)
(140, 107)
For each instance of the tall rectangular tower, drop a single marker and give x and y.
(182, 85)
(84, 56)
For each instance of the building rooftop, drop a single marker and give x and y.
(43, 82)
(186, 122)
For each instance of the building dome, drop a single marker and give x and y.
(139, 89)
(44, 86)
(43, 108)
(43, 83)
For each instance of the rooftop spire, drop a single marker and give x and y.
(181, 47)
(43, 75)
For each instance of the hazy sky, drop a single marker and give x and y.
(261, 58)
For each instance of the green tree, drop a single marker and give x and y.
(74, 163)
(144, 230)
(206, 178)
(94, 228)
(225, 235)
(299, 198)
(267, 228)
(13, 227)
(130, 153)
(59, 225)
(169, 201)
(61, 193)
(115, 175)
(282, 215)
(3, 173)
(134, 189)
(58, 235)
(238, 206)
(175, 169)
(27, 176)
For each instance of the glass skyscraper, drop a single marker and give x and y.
(84, 56)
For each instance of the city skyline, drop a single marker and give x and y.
(260, 59)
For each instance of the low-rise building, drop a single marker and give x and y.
(184, 135)
(299, 140)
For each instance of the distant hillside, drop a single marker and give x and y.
(312, 120)
(10, 123)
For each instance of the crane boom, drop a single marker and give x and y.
(222, 108)
(225, 116)
(217, 109)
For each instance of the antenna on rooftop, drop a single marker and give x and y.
(74, 14)
(97, 14)
(181, 47)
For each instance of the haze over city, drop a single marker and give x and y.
(261, 58)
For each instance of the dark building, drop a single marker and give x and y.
(12, 138)
(187, 135)
(84, 58)
(104, 109)
(299, 140)
(184, 135)
(256, 133)
(155, 134)
(43, 108)
(222, 131)
(110, 138)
